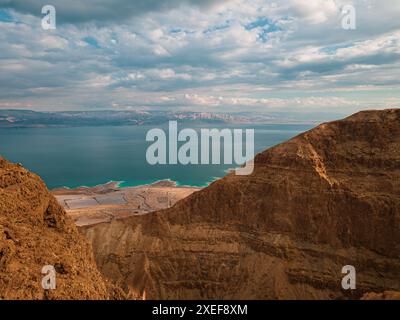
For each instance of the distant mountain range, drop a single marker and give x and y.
(32, 119)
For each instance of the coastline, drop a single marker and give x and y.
(112, 201)
(124, 184)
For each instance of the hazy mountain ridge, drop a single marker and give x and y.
(32, 119)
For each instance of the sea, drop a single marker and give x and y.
(89, 156)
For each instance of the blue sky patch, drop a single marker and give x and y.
(332, 49)
(266, 25)
(91, 41)
(6, 17)
(222, 26)
(260, 22)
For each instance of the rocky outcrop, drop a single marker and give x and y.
(34, 232)
(386, 295)
(327, 198)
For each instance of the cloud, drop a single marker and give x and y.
(101, 11)
(226, 55)
(314, 12)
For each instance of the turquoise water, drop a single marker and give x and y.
(89, 156)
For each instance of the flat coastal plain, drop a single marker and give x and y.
(104, 203)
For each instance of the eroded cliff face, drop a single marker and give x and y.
(325, 199)
(34, 232)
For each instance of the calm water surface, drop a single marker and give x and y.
(88, 156)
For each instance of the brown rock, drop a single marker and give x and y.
(34, 232)
(386, 295)
(327, 198)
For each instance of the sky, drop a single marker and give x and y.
(200, 55)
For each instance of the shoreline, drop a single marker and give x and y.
(119, 185)
(108, 202)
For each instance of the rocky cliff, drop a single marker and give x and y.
(325, 199)
(34, 232)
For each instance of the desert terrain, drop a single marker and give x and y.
(108, 202)
(323, 200)
(327, 198)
